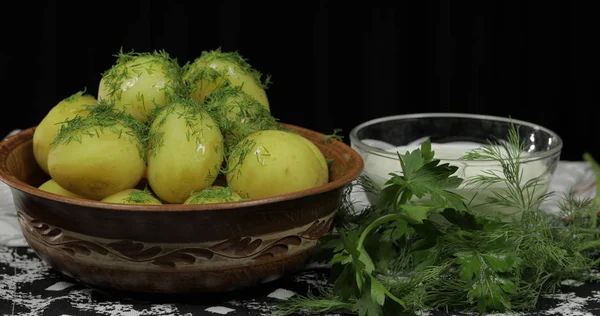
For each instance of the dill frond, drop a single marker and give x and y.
(323, 302)
(519, 193)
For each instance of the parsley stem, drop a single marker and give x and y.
(464, 233)
(365, 233)
(374, 224)
(394, 298)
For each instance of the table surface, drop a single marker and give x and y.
(30, 287)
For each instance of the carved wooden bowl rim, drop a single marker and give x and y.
(352, 171)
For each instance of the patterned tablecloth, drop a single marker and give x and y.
(29, 287)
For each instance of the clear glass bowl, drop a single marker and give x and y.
(452, 135)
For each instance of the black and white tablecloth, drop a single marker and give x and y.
(29, 287)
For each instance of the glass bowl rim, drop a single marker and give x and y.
(386, 154)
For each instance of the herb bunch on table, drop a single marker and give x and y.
(422, 247)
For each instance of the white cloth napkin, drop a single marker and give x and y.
(574, 176)
(10, 233)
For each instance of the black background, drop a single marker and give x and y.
(333, 64)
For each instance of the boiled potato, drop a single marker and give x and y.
(46, 131)
(132, 196)
(238, 114)
(140, 82)
(213, 194)
(53, 187)
(98, 155)
(186, 151)
(214, 69)
(273, 162)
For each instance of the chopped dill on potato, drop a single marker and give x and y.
(184, 107)
(274, 162)
(76, 95)
(140, 197)
(194, 74)
(239, 114)
(190, 126)
(101, 116)
(123, 69)
(185, 149)
(215, 193)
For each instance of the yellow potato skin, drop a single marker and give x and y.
(227, 72)
(46, 131)
(53, 187)
(324, 174)
(277, 162)
(100, 165)
(140, 85)
(197, 199)
(132, 196)
(189, 157)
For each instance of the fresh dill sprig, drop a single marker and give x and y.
(520, 193)
(334, 135)
(322, 302)
(349, 216)
(577, 211)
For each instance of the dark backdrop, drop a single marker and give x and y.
(333, 65)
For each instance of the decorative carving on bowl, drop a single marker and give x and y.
(230, 252)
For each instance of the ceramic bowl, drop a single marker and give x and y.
(174, 248)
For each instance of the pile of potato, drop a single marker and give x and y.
(158, 133)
